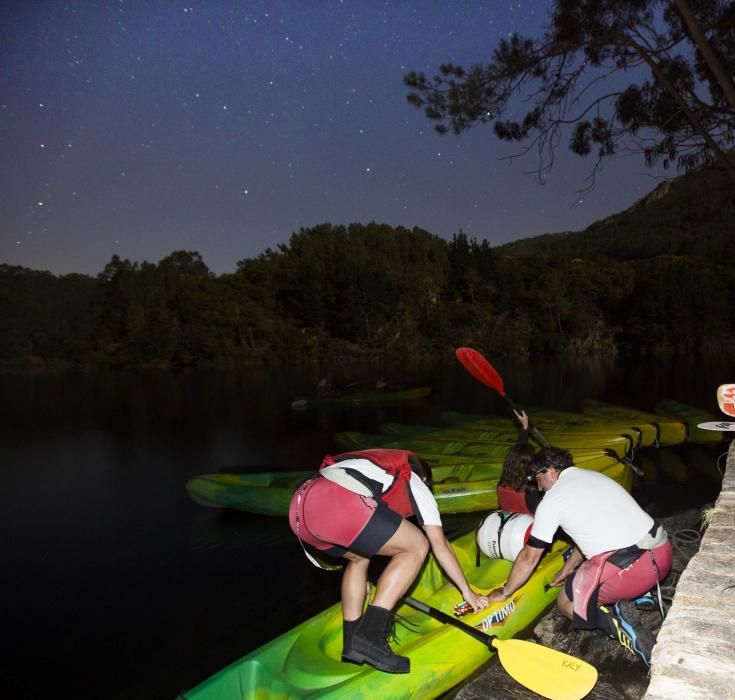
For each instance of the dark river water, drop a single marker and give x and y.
(115, 584)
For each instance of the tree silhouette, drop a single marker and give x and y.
(677, 109)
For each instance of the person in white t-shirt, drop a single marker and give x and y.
(619, 551)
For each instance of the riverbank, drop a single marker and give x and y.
(694, 656)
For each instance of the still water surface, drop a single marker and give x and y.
(117, 585)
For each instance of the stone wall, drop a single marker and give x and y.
(694, 656)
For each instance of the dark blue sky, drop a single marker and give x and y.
(137, 128)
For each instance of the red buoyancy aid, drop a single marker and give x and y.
(512, 500)
(394, 462)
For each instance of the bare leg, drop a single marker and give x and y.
(354, 586)
(565, 605)
(407, 549)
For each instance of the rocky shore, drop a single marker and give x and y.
(621, 675)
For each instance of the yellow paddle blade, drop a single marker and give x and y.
(545, 671)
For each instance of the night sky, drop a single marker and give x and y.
(138, 128)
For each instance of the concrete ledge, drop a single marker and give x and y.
(694, 656)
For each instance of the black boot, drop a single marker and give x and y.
(348, 631)
(369, 643)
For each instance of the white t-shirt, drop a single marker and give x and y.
(422, 496)
(595, 511)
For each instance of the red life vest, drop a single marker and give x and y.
(512, 500)
(394, 462)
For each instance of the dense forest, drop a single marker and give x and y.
(657, 278)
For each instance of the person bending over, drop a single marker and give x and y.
(619, 552)
(356, 507)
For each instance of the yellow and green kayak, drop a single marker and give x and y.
(623, 442)
(550, 420)
(270, 493)
(460, 485)
(670, 430)
(691, 417)
(470, 445)
(265, 493)
(305, 661)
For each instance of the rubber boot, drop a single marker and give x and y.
(348, 631)
(369, 643)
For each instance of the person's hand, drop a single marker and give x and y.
(559, 577)
(522, 417)
(572, 559)
(478, 602)
(496, 596)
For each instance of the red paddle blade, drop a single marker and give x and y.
(480, 369)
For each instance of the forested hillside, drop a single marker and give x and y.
(656, 278)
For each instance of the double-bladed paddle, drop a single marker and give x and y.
(545, 671)
(484, 372)
(479, 367)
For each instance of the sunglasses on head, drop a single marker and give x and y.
(543, 470)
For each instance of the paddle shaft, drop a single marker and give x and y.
(448, 619)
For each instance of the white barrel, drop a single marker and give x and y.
(502, 535)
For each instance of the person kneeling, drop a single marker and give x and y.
(619, 552)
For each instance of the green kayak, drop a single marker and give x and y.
(489, 468)
(623, 443)
(670, 431)
(305, 661)
(460, 486)
(691, 416)
(270, 493)
(549, 420)
(265, 493)
(431, 449)
(359, 398)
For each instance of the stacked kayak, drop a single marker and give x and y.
(491, 446)
(691, 417)
(622, 443)
(461, 484)
(265, 493)
(359, 398)
(548, 420)
(670, 430)
(305, 661)
(270, 493)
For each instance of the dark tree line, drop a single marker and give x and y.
(656, 278)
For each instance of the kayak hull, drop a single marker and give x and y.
(270, 493)
(670, 430)
(692, 417)
(242, 492)
(478, 448)
(305, 661)
(552, 420)
(621, 441)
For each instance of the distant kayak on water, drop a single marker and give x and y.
(356, 397)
